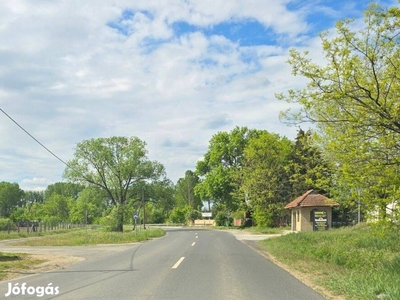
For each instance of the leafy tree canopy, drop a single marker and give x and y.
(352, 97)
(185, 191)
(221, 161)
(10, 197)
(114, 164)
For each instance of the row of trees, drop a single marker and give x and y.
(353, 155)
(249, 171)
(352, 100)
(77, 203)
(111, 179)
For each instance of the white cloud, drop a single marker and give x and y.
(69, 74)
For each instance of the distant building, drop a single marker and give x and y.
(311, 211)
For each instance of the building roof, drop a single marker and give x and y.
(310, 198)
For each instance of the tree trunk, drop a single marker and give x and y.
(120, 218)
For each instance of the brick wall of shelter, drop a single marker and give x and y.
(301, 217)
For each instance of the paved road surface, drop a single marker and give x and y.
(185, 264)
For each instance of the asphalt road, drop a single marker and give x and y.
(185, 264)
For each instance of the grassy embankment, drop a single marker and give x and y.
(362, 262)
(92, 237)
(16, 262)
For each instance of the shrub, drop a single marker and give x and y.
(221, 219)
(6, 224)
(178, 215)
(193, 215)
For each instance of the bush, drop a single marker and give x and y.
(193, 215)
(6, 224)
(178, 215)
(110, 222)
(221, 219)
(263, 218)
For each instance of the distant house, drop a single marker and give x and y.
(311, 211)
(392, 212)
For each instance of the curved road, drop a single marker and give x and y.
(184, 264)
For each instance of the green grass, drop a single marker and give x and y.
(362, 262)
(4, 235)
(254, 230)
(20, 262)
(92, 237)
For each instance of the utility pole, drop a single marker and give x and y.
(359, 207)
(188, 187)
(144, 210)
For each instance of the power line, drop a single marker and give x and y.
(36, 140)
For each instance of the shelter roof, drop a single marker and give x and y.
(310, 198)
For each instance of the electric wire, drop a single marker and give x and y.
(35, 139)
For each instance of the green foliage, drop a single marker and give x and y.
(161, 194)
(10, 198)
(184, 191)
(89, 206)
(94, 237)
(6, 224)
(57, 207)
(178, 215)
(50, 220)
(19, 214)
(116, 165)
(263, 180)
(66, 189)
(220, 164)
(353, 99)
(307, 169)
(222, 219)
(239, 215)
(193, 214)
(110, 222)
(31, 197)
(262, 217)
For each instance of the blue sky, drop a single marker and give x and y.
(172, 73)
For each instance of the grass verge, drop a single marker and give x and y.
(92, 237)
(360, 263)
(4, 235)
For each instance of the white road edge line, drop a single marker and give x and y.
(193, 244)
(178, 262)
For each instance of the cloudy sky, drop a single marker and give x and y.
(172, 73)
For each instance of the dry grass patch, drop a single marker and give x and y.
(14, 264)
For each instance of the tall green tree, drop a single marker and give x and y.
(222, 160)
(263, 179)
(56, 208)
(307, 168)
(10, 198)
(184, 191)
(114, 164)
(31, 197)
(160, 199)
(67, 189)
(89, 206)
(353, 96)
